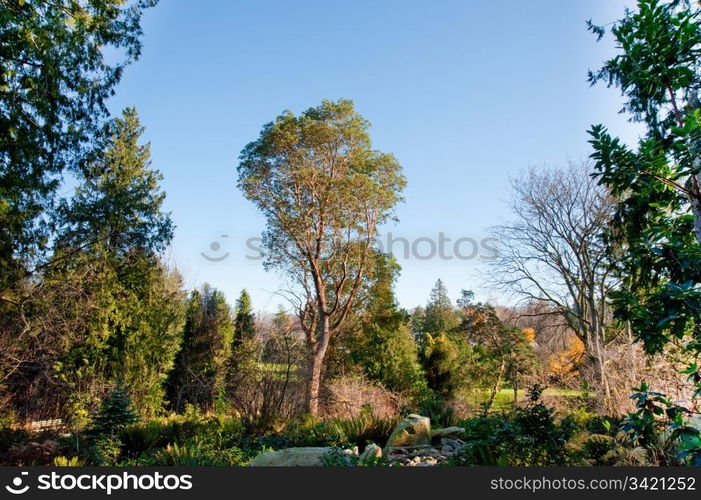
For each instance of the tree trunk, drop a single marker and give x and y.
(696, 210)
(316, 361)
(497, 383)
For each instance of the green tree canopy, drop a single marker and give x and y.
(54, 82)
(323, 191)
(244, 323)
(658, 220)
(199, 373)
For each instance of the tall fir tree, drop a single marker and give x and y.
(200, 368)
(115, 226)
(440, 313)
(244, 323)
(383, 345)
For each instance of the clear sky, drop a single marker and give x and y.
(464, 93)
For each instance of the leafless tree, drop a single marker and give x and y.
(553, 252)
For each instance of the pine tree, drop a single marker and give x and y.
(384, 329)
(115, 413)
(440, 314)
(119, 202)
(115, 225)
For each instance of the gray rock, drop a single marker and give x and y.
(370, 454)
(413, 430)
(291, 457)
(448, 432)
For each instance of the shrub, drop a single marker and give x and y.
(349, 397)
(141, 437)
(104, 450)
(362, 430)
(196, 453)
(531, 436)
(34, 452)
(265, 386)
(661, 427)
(337, 457)
(68, 462)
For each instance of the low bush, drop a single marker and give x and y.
(531, 436)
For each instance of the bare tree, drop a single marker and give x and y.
(553, 252)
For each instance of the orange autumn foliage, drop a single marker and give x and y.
(563, 364)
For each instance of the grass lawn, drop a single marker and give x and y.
(505, 397)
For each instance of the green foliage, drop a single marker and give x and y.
(129, 319)
(361, 430)
(443, 364)
(500, 352)
(530, 437)
(119, 202)
(658, 220)
(142, 437)
(337, 457)
(115, 413)
(55, 82)
(199, 373)
(68, 462)
(104, 451)
(662, 428)
(379, 341)
(197, 453)
(324, 192)
(244, 324)
(440, 315)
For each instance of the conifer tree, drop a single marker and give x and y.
(115, 413)
(440, 314)
(200, 367)
(244, 324)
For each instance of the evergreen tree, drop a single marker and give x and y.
(443, 364)
(200, 368)
(244, 323)
(55, 82)
(119, 202)
(115, 413)
(440, 314)
(383, 346)
(115, 227)
(658, 184)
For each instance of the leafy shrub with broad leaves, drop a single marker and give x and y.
(662, 428)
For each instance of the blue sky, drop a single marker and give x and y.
(464, 93)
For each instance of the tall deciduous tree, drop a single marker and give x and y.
(553, 252)
(54, 81)
(658, 219)
(323, 191)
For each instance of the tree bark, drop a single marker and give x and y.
(316, 362)
(696, 207)
(497, 383)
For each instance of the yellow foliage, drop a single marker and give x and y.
(564, 363)
(529, 334)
